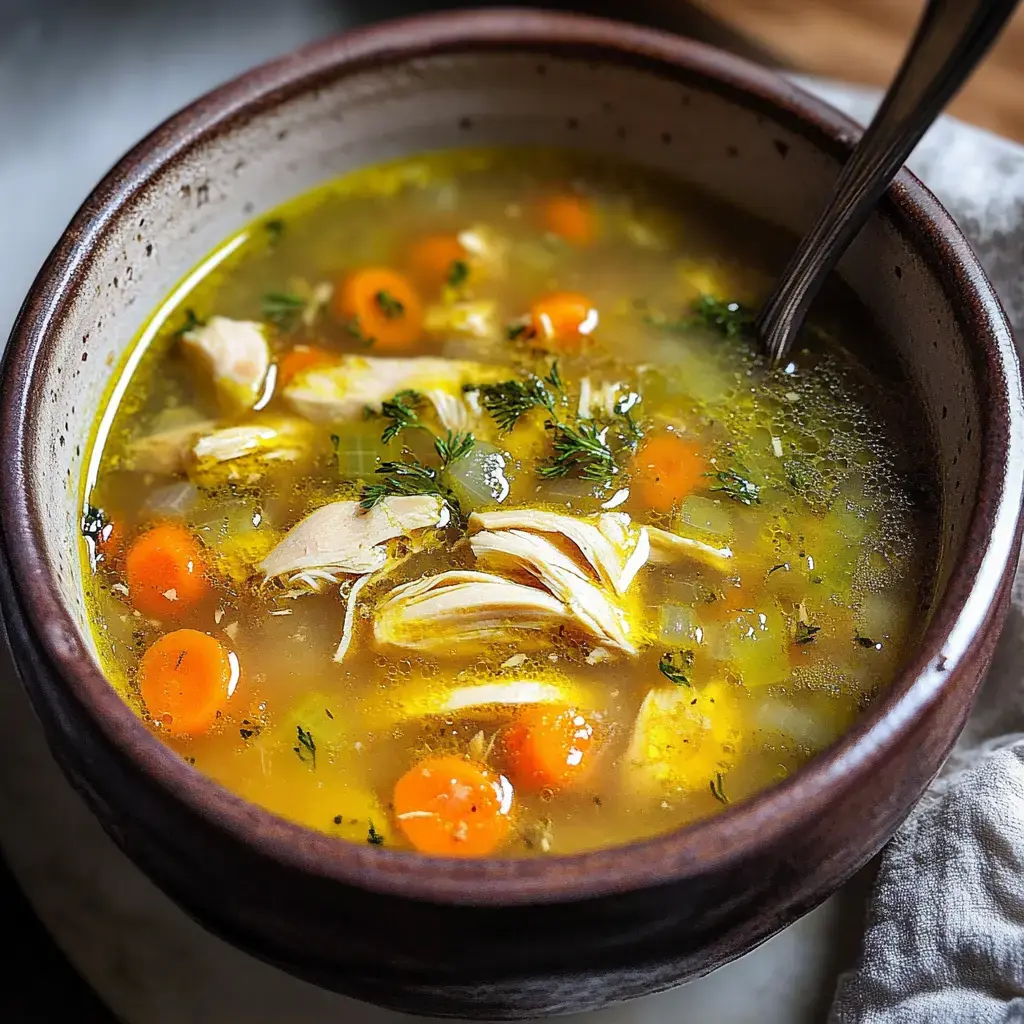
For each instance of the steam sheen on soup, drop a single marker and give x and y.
(454, 510)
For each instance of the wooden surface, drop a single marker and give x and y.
(863, 41)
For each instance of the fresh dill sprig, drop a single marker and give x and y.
(729, 319)
(401, 410)
(306, 748)
(401, 479)
(453, 447)
(805, 633)
(733, 484)
(718, 790)
(554, 378)
(458, 273)
(580, 450)
(624, 406)
(510, 399)
(391, 307)
(282, 308)
(672, 670)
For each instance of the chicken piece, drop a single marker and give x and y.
(235, 354)
(278, 441)
(341, 538)
(344, 390)
(682, 738)
(612, 545)
(460, 608)
(167, 451)
(452, 411)
(487, 251)
(667, 548)
(475, 319)
(597, 611)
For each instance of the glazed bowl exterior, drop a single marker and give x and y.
(497, 938)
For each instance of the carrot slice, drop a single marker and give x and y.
(666, 470)
(431, 260)
(185, 678)
(561, 321)
(450, 807)
(381, 306)
(549, 748)
(572, 218)
(164, 568)
(301, 357)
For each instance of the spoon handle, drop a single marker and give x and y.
(952, 37)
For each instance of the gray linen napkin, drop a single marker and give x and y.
(944, 938)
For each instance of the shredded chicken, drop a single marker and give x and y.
(451, 410)
(344, 390)
(236, 355)
(475, 319)
(594, 607)
(612, 545)
(169, 450)
(667, 548)
(285, 440)
(341, 538)
(463, 608)
(348, 626)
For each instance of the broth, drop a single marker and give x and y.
(456, 511)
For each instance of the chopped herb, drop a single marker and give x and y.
(671, 669)
(401, 410)
(306, 748)
(458, 273)
(624, 406)
(327, 712)
(282, 308)
(581, 451)
(191, 761)
(274, 229)
(519, 329)
(356, 330)
(401, 479)
(806, 633)
(190, 324)
(736, 486)
(391, 307)
(865, 641)
(776, 568)
(338, 819)
(373, 837)
(510, 399)
(453, 447)
(249, 729)
(718, 790)
(729, 319)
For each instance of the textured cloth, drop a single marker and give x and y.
(944, 937)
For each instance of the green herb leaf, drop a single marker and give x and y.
(401, 479)
(391, 307)
(282, 309)
(519, 329)
(672, 664)
(356, 330)
(510, 399)
(306, 749)
(730, 319)
(718, 790)
(401, 411)
(274, 229)
(866, 642)
(458, 273)
(554, 378)
(805, 633)
(190, 324)
(453, 447)
(373, 837)
(736, 486)
(580, 450)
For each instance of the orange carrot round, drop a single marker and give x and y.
(450, 807)
(164, 569)
(381, 307)
(561, 321)
(299, 358)
(431, 260)
(666, 470)
(549, 748)
(572, 218)
(185, 678)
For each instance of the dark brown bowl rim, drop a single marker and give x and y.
(952, 638)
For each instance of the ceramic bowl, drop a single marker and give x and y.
(491, 938)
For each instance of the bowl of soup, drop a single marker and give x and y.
(414, 561)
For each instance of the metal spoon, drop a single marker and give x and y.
(952, 37)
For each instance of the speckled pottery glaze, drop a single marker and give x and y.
(498, 939)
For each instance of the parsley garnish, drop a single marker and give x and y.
(718, 790)
(453, 447)
(806, 633)
(582, 449)
(458, 273)
(391, 307)
(373, 837)
(401, 411)
(282, 308)
(736, 486)
(672, 671)
(306, 748)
